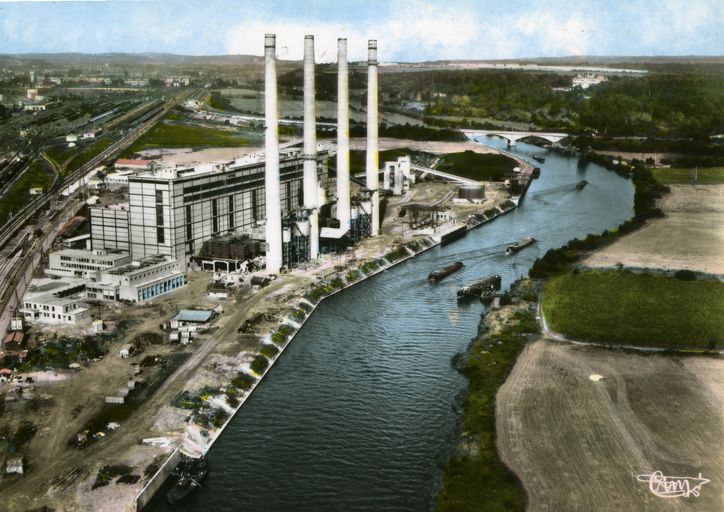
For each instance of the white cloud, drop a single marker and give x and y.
(431, 31)
(551, 33)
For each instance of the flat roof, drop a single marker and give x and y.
(84, 253)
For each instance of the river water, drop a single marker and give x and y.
(358, 414)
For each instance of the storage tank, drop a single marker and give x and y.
(471, 192)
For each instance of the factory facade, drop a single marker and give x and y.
(173, 211)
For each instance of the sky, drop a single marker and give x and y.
(406, 30)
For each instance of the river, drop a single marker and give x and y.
(358, 414)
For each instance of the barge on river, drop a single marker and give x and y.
(190, 472)
(484, 287)
(519, 245)
(442, 273)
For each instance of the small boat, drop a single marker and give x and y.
(539, 158)
(521, 244)
(192, 473)
(486, 286)
(581, 184)
(536, 172)
(442, 273)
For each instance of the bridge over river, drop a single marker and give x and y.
(514, 136)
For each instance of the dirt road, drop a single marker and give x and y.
(579, 444)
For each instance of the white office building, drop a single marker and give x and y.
(82, 263)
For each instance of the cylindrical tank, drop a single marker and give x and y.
(354, 212)
(287, 235)
(471, 192)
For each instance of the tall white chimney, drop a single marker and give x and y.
(311, 191)
(373, 177)
(343, 200)
(271, 174)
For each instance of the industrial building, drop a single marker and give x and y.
(173, 211)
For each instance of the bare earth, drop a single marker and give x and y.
(579, 444)
(186, 156)
(360, 144)
(691, 236)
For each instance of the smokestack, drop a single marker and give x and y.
(311, 191)
(373, 177)
(343, 213)
(271, 174)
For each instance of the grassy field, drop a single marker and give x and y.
(165, 135)
(676, 176)
(475, 166)
(623, 308)
(19, 193)
(357, 159)
(82, 158)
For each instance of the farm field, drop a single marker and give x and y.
(689, 237)
(579, 444)
(167, 135)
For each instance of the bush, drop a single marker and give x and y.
(685, 275)
(243, 381)
(259, 364)
(269, 351)
(26, 431)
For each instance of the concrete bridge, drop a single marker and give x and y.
(513, 137)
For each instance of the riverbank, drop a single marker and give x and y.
(475, 475)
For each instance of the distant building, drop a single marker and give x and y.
(136, 82)
(35, 191)
(586, 80)
(35, 107)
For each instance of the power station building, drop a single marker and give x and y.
(276, 196)
(173, 211)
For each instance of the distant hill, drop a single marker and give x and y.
(130, 59)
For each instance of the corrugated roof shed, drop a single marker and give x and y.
(193, 315)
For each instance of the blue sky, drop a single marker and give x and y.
(406, 30)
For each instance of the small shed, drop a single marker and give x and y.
(14, 465)
(197, 317)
